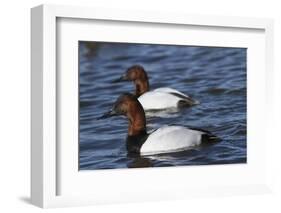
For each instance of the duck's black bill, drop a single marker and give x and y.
(107, 115)
(122, 78)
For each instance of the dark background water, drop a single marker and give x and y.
(214, 76)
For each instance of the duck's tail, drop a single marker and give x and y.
(187, 102)
(208, 138)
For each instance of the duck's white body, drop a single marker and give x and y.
(162, 98)
(171, 139)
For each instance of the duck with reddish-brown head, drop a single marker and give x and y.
(163, 140)
(158, 99)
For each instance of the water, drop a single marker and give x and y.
(214, 76)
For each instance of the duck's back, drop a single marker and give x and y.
(154, 100)
(171, 91)
(171, 139)
(164, 98)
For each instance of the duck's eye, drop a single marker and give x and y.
(131, 75)
(118, 109)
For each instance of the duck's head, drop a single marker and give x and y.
(138, 75)
(128, 105)
(122, 105)
(133, 73)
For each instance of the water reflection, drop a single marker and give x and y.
(139, 162)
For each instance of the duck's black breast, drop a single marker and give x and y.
(135, 142)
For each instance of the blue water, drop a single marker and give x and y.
(214, 76)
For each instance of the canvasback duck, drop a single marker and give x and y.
(157, 99)
(163, 140)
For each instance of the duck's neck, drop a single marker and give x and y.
(142, 86)
(137, 121)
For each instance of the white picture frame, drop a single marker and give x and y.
(46, 160)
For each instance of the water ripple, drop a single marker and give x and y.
(214, 76)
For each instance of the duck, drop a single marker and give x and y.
(157, 99)
(166, 139)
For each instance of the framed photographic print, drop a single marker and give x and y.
(132, 105)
